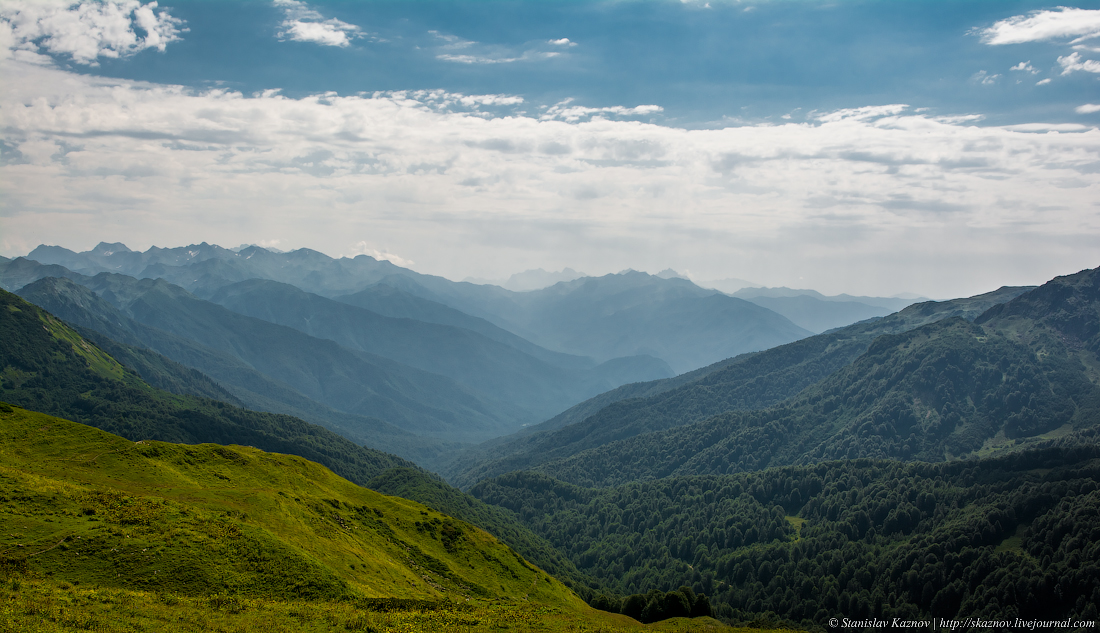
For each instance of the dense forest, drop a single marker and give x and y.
(1005, 537)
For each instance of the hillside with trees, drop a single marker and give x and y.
(999, 538)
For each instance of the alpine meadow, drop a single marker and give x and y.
(566, 316)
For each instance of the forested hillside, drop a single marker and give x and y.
(1017, 536)
(948, 389)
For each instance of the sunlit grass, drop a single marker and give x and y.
(98, 533)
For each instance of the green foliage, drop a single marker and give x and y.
(659, 605)
(1012, 536)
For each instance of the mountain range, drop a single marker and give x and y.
(407, 362)
(628, 314)
(911, 464)
(746, 382)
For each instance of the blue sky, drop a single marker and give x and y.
(937, 147)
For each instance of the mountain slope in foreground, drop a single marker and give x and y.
(147, 535)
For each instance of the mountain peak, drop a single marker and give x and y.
(106, 250)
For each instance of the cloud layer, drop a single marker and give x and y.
(439, 179)
(866, 200)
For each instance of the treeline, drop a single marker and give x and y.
(422, 487)
(999, 538)
(657, 605)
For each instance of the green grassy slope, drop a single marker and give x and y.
(208, 518)
(102, 533)
(63, 382)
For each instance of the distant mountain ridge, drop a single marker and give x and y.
(817, 312)
(497, 369)
(107, 326)
(893, 304)
(534, 279)
(625, 315)
(354, 382)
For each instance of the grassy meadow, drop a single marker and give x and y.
(98, 533)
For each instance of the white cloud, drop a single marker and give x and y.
(1043, 82)
(462, 51)
(431, 177)
(363, 248)
(984, 78)
(565, 112)
(476, 59)
(1025, 67)
(1088, 108)
(863, 114)
(303, 24)
(488, 100)
(1074, 62)
(84, 31)
(1059, 23)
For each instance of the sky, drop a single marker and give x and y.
(943, 148)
